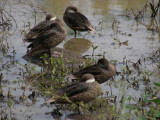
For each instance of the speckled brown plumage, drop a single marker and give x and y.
(39, 28)
(76, 20)
(47, 33)
(84, 116)
(102, 71)
(79, 91)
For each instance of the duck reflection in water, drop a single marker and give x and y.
(77, 45)
(70, 59)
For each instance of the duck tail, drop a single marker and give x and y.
(50, 100)
(91, 28)
(71, 76)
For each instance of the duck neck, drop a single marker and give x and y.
(106, 67)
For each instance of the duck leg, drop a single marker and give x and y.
(79, 111)
(75, 33)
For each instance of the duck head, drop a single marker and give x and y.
(103, 63)
(88, 78)
(71, 9)
(50, 17)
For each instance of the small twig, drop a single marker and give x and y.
(35, 16)
(154, 9)
(33, 6)
(26, 110)
(1, 91)
(30, 84)
(134, 13)
(11, 17)
(140, 12)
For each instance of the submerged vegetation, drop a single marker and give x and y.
(25, 87)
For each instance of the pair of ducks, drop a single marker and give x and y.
(49, 34)
(88, 86)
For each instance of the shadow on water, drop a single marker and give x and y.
(77, 45)
(70, 59)
(99, 109)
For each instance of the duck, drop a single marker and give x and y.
(47, 34)
(75, 116)
(76, 20)
(102, 71)
(84, 91)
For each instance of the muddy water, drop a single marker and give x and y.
(102, 14)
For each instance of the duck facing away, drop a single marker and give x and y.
(48, 33)
(102, 71)
(76, 20)
(85, 90)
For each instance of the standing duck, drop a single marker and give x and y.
(85, 90)
(47, 34)
(102, 71)
(76, 20)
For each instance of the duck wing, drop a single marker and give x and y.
(45, 35)
(41, 38)
(70, 20)
(81, 20)
(37, 30)
(94, 70)
(76, 88)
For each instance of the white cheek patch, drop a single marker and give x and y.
(90, 80)
(71, 11)
(53, 18)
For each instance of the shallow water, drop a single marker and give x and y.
(102, 14)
